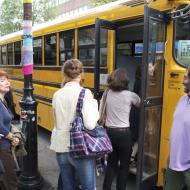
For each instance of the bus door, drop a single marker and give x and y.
(152, 98)
(102, 28)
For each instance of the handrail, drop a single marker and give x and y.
(181, 13)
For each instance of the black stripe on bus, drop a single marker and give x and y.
(44, 83)
(54, 68)
(51, 84)
(37, 97)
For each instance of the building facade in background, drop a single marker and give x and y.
(70, 7)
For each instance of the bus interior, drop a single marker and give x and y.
(129, 55)
(129, 49)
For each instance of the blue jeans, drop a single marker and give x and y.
(70, 167)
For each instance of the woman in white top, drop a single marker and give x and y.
(118, 105)
(64, 107)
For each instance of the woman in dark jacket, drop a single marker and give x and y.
(7, 137)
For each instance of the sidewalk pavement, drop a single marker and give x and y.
(47, 163)
(49, 170)
(48, 167)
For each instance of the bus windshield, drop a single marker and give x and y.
(182, 41)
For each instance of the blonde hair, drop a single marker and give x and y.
(72, 68)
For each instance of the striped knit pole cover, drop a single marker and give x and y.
(29, 177)
(27, 48)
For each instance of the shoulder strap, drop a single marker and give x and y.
(102, 108)
(80, 102)
(105, 95)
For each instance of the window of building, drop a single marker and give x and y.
(63, 1)
(57, 2)
(66, 45)
(3, 55)
(86, 45)
(50, 49)
(17, 54)
(37, 48)
(182, 41)
(10, 53)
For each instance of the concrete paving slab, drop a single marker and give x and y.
(47, 161)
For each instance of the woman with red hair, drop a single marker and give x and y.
(7, 139)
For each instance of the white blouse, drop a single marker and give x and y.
(64, 106)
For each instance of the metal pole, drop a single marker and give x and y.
(97, 61)
(29, 177)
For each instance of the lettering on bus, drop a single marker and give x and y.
(182, 41)
(174, 82)
(174, 85)
(184, 50)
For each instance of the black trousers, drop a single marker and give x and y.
(119, 160)
(9, 166)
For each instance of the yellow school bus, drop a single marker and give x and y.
(154, 34)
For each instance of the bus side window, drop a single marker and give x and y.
(50, 49)
(3, 55)
(182, 41)
(17, 52)
(37, 47)
(66, 45)
(10, 54)
(0, 56)
(86, 45)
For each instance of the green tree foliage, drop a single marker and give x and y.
(101, 2)
(43, 10)
(11, 14)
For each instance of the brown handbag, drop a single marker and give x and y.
(102, 108)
